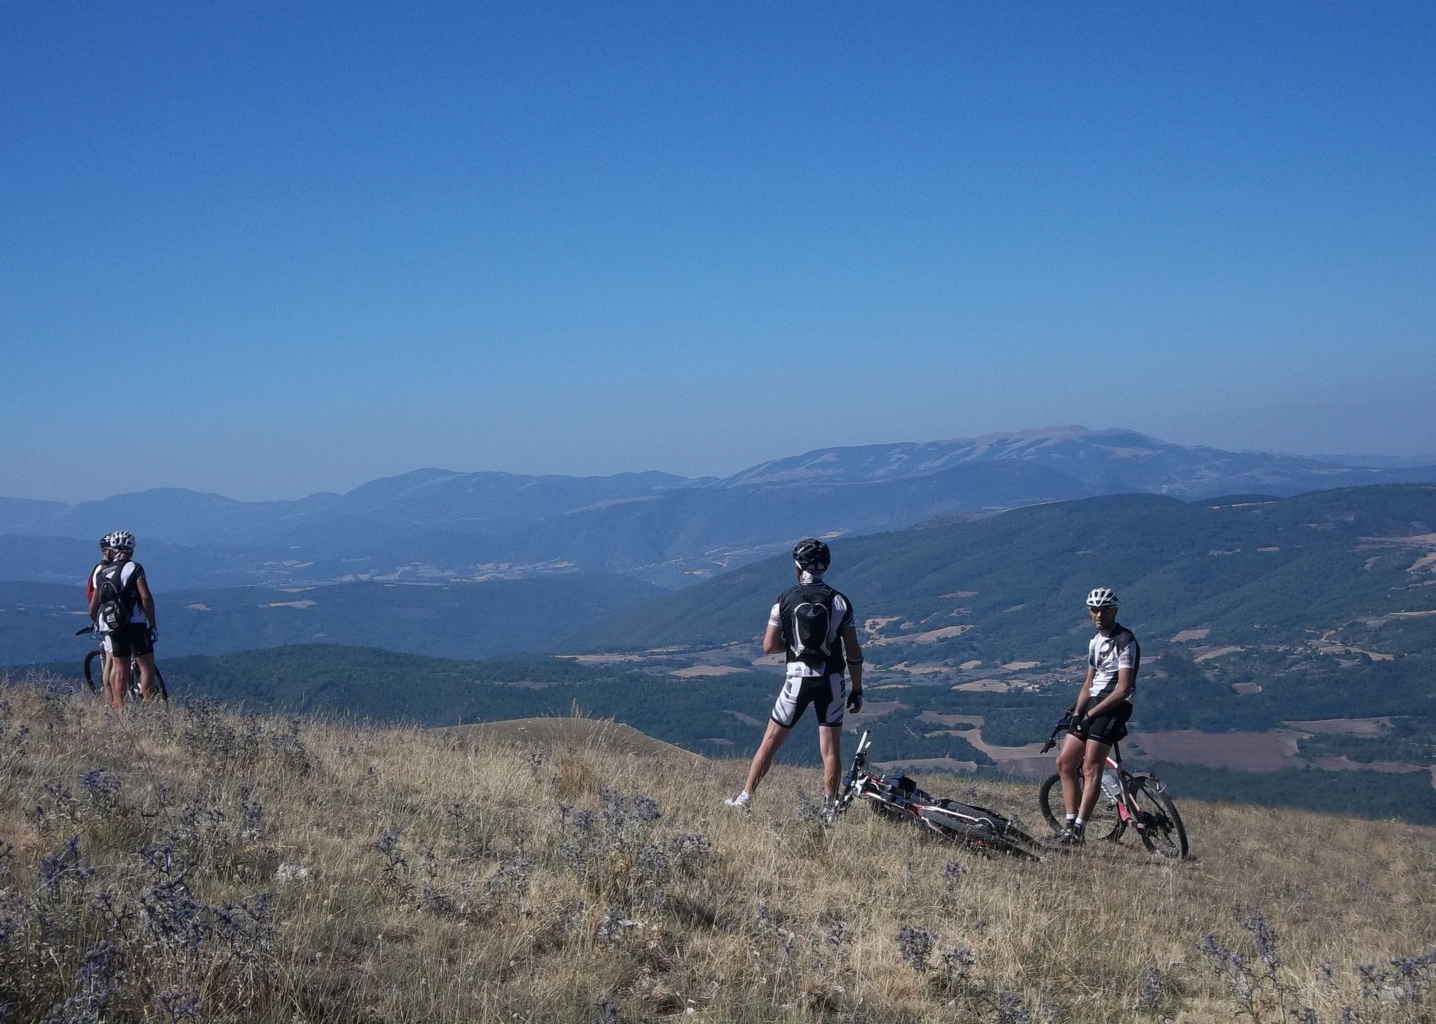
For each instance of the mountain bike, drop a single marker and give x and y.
(1139, 800)
(896, 796)
(134, 691)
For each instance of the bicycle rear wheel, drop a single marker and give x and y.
(1105, 822)
(1163, 832)
(158, 688)
(89, 662)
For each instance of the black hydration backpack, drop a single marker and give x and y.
(117, 596)
(807, 623)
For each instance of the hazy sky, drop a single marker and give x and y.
(271, 249)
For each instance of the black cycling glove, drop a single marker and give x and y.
(855, 701)
(1081, 726)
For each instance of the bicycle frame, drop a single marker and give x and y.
(1128, 813)
(979, 828)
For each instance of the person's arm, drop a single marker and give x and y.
(1125, 685)
(854, 654)
(854, 657)
(147, 601)
(95, 605)
(773, 640)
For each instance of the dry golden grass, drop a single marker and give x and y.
(511, 904)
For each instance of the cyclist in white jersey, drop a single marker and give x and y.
(813, 625)
(1099, 718)
(123, 610)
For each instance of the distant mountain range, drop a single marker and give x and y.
(437, 526)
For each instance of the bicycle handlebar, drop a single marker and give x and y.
(1056, 730)
(82, 632)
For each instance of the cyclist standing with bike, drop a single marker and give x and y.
(1099, 718)
(123, 610)
(813, 625)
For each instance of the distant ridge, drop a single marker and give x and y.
(440, 526)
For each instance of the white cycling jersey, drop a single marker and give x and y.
(1108, 653)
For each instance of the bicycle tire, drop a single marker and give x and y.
(89, 660)
(1163, 832)
(1105, 822)
(159, 685)
(983, 840)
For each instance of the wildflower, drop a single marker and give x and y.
(915, 947)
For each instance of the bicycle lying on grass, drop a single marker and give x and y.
(134, 690)
(1138, 800)
(898, 797)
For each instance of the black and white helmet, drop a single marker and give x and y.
(120, 540)
(1102, 597)
(812, 555)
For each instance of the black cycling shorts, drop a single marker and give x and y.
(825, 693)
(1107, 728)
(130, 639)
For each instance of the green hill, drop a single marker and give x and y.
(1251, 571)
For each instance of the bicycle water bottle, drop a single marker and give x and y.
(1110, 785)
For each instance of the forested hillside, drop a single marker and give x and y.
(1250, 571)
(462, 620)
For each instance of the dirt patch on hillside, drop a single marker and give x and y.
(1344, 726)
(930, 637)
(1243, 751)
(1216, 653)
(950, 720)
(984, 686)
(1344, 764)
(693, 671)
(930, 764)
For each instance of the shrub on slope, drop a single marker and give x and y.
(189, 863)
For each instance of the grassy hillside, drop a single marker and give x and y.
(195, 865)
(724, 716)
(37, 621)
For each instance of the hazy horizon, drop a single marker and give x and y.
(1357, 457)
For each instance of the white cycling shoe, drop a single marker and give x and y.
(742, 802)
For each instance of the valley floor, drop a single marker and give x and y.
(189, 863)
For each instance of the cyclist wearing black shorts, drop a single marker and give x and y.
(123, 610)
(813, 625)
(1099, 718)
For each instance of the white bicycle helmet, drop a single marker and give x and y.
(1102, 597)
(120, 540)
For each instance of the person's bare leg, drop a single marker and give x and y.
(830, 744)
(146, 663)
(1069, 764)
(118, 679)
(1092, 775)
(763, 759)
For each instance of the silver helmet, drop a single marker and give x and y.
(1102, 597)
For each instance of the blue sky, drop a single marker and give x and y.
(271, 250)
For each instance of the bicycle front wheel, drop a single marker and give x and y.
(164, 694)
(1105, 822)
(89, 668)
(1162, 830)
